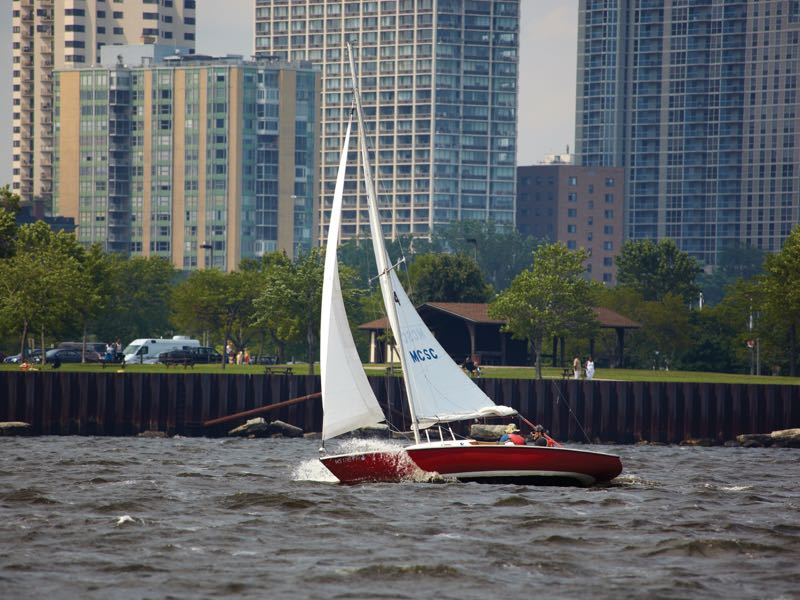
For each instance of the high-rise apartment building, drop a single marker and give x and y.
(439, 84)
(578, 206)
(54, 34)
(198, 160)
(697, 100)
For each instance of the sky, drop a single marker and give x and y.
(548, 54)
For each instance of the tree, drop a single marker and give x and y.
(553, 298)
(9, 201)
(781, 283)
(734, 262)
(501, 251)
(139, 305)
(447, 278)
(8, 233)
(217, 302)
(290, 299)
(655, 270)
(39, 284)
(359, 256)
(93, 298)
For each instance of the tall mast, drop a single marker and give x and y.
(378, 246)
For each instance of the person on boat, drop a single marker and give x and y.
(511, 437)
(537, 436)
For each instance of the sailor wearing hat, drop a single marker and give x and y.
(511, 437)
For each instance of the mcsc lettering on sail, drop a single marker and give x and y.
(423, 355)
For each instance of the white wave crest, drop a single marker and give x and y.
(312, 470)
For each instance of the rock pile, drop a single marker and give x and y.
(786, 438)
(259, 428)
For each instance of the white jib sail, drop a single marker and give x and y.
(348, 401)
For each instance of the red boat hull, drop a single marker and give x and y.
(473, 461)
(493, 463)
(371, 466)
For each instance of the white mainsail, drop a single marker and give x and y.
(348, 401)
(437, 388)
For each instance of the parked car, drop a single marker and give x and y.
(207, 355)
(96, 347)
(265, 360)
(177, 357)
(17, 358)
(64, 355)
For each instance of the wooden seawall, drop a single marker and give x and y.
(70, 403)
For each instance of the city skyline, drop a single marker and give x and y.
(548, 51)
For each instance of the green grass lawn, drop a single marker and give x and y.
(487, 372)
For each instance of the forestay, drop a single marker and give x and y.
(348, 401)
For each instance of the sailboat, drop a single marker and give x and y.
(437, 390)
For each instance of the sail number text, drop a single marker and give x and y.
(423, 354)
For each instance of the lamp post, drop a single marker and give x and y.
(210, 247)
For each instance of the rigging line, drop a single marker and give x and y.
(574, 416)
(387, 269)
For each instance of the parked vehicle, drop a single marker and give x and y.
(178, 357)
(94, 350)
(96, 347)
(64, 355)
(146, 350)
(265, 359)
(31, 356)
(207, 355)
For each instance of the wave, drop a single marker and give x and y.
(241, 500)
(27, 496)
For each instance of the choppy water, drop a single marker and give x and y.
(207, 518)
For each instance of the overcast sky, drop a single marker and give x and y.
(548, 45)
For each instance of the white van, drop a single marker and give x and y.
(146, 350)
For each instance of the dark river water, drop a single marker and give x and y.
(210, 518)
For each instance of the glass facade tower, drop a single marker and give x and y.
(58, 34)
(698, 101)
(439, 84)
(201, 161)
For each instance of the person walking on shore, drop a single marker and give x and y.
(576, 367)
(589, 368)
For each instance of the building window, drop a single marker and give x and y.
(571, 244)
(608, 229)
(572, 180)
(606, 277)
(609, 214)
(608, 246)
(572, 197)
(608, 261)
(572, 212)
(571, 228)
(609, 182)
(609, 198)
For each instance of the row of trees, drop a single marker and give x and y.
(54, 288)
(752, 317)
